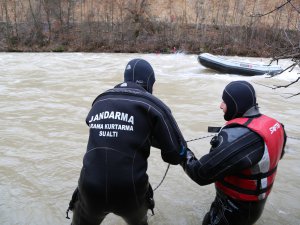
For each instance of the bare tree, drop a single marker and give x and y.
(137, 12)
(8, 30)
(36, 33)
(292, 52)
(200, 12)
(47, 9)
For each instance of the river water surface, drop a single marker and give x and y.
(45, 97)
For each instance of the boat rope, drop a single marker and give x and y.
(293, 138)
(200, 138)
(162, 180)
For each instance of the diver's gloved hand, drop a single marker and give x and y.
(214, 142)
(188, 157)
(183, 150)
(190, 154)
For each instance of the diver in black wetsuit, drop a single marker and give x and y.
(124, 123)
(242, 161)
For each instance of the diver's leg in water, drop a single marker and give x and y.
(82, 216)
(220, 213)
(137, 217)
(227, 211)
(216, 215)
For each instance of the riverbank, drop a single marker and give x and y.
(153, 38)
(243, 28)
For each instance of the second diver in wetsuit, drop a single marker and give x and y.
(242, 161)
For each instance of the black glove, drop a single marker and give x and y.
(214, 142)
(189, 155)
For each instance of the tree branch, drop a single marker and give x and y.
(297, 10)
(276, 9)
(285, 86)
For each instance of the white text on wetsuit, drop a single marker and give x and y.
(113, 115)
(111, 129)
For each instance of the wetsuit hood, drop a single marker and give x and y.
(141, 72)
(239, 97)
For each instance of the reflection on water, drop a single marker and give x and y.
(45, 98)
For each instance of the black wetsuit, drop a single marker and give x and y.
(233, 149)
(124, 123)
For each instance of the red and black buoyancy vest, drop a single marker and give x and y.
(255, 183)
